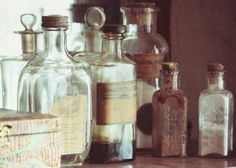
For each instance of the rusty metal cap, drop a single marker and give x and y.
(171, 66)
(140, 5)
(114, 29)
(215, 67)
(54, 21)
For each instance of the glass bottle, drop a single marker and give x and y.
(94, 19)
(215, 115)
(147, 49)
(169, 115)
(55, 84)
(11, 67)
(114, 88)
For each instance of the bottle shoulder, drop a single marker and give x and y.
(224, 92)
(170, 93)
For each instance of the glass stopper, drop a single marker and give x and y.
(95, 17)
(28, 21)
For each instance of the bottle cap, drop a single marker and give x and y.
(114, 29)
(54, 21)
(95, 17)
(215, 67)
(172, 66)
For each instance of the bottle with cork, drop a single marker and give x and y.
(169, 115)
(215, 115)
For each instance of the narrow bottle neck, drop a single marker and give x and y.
(92, 41)
(29, 45)
(144, 18)
(169, 80)
(113, 46)
(215, 80)
(55, 43)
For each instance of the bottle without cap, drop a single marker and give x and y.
(55, 84)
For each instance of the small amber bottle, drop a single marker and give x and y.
(169, 115)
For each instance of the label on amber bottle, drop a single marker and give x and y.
(116, 103)
(148, 65)
(72, 111)
(174, 126)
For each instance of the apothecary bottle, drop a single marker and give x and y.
(215, 115)
(169, 115)
(147, 49)
(94, 19)
(114, 88)
(53, 83)
(11, 67)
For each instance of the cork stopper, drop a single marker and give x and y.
(114, 29)
(215, 67)
(54, 21)
(170, 66)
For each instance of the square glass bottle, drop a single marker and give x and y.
(114, 110)
(169, 115)
(215, 115)
(53, 83)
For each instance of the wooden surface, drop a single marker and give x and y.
(145, 160)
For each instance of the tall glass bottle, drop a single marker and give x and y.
(215, 115)
(94, 19)
(11, 67)
(147, 49)
(169, 115)
(114, 88)
(55, 84)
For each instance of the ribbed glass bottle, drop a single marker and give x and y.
(11, 67)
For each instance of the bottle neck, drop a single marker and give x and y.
(29, 44)
(55, 43)
(92, 42)
(215, 80)
(112, 44)
(169, 80)
(144, 18)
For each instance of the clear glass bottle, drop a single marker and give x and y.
(114, 88)
(53, 83)
(215, 115)
(11, 67)
(169, 115)
(94, 19)
(147, 49)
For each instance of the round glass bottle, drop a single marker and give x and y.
(53, 83)
(114, 88)
(147, 49)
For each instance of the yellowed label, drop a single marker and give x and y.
(72, 110)
(148, 65)
(116, 103)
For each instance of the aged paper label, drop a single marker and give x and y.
(148, 65)
(72, 110)
(116, 103)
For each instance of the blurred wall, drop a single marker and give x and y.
(203, 31)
